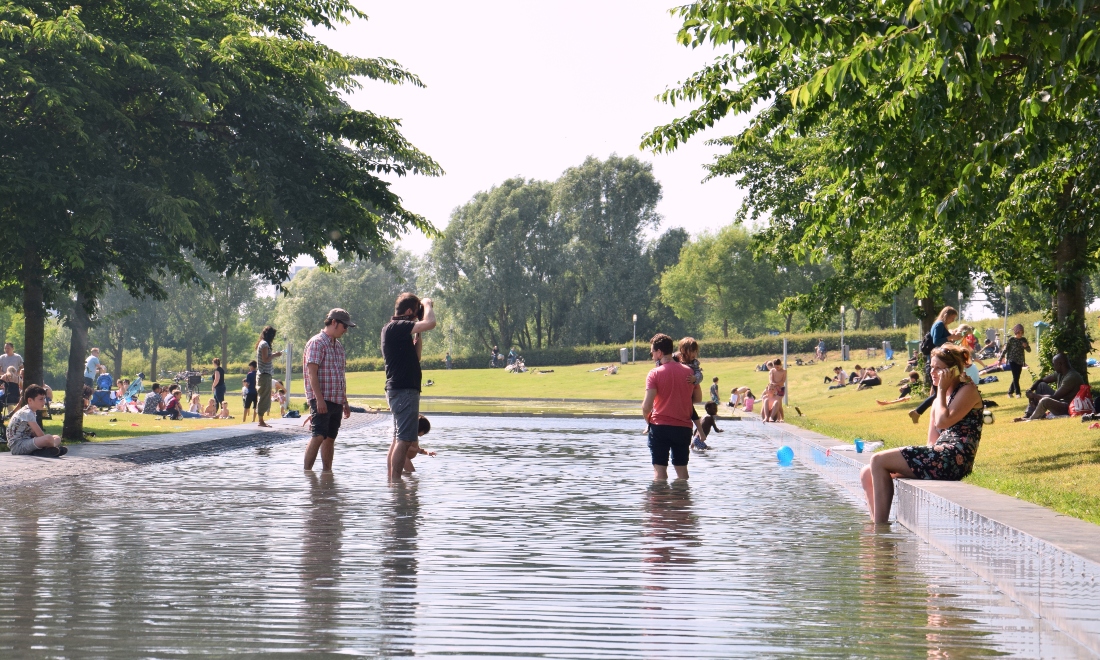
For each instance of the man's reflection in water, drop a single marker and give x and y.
(399, 565)
(321, 544)
(671, 527)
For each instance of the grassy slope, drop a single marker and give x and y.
(1050, 463)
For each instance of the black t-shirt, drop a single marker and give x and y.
(221, 378)
(402, 363)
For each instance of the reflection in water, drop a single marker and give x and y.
(322, 538)
(399, 567)
(23, 581)
(671, 527)
(537, 555)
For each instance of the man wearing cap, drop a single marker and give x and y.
(323, 364)
(401, 349)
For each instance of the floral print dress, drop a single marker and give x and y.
(952, 457)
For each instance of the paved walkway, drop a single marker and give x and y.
(114, 455)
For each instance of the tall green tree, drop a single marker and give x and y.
(136, 134)
(948, 126)
(719, 281)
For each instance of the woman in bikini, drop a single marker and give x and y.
(954, 432)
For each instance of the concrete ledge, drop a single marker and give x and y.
(1048, 562)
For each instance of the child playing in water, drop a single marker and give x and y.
(710, 423)
(422, 428)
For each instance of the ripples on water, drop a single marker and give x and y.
(537, 538)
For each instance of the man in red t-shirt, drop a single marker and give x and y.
(670, 392)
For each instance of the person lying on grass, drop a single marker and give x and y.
(954, 431)
(906, 387)
(1042, 398)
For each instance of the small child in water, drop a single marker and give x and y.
(710, 423)
(422, 428)
(688, 355)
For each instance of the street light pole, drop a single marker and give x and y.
(842, 333)
(960, 306)
(1004, 337)
(634, 343)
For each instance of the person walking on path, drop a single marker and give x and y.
(401, 351)
(90, 366)
(1013, 352)
(219, 381)
(265, 372)
(324, 364)
(670, 395)
(939, 335)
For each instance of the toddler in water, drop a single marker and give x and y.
(422, 428)
(710, 423)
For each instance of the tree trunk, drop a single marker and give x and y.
(34, 318)
(859, 317)
(926, 313)
(790, 317)
(725, 329)
(188, 353)
(118, 353)
(1070, 267)
(225, 345)
(153, 357)
(73, 429)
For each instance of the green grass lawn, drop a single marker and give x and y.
(130, 425)
(1052, 463)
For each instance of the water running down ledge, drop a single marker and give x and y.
(539, 538)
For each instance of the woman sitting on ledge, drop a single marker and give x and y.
(953, 435)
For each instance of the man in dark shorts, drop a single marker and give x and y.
(401, 349)
(670, 392)
(324, 363)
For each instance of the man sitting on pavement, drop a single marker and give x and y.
(1042, 398)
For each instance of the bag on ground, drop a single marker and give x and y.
(1082, 403)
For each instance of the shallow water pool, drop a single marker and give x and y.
(523, 537)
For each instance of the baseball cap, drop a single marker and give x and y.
(340, 315)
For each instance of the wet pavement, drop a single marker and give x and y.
(523, 537)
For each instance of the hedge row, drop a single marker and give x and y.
(769, 345)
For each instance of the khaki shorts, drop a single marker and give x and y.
(263, 394)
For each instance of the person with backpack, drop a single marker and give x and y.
(937, 336)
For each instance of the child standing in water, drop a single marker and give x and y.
(422, 428)
(710, 423)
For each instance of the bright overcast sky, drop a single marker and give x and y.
(529, 89)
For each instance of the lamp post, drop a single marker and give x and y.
(960, 306)
(842, 333)
(634, 343)
(1004, 337)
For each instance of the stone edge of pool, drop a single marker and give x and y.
(1048, 562)
(112, 456)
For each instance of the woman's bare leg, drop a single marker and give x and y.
(882, 470)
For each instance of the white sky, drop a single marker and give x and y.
(529, 89)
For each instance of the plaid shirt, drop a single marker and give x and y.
(328, 355)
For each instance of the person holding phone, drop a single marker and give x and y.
(954, 431)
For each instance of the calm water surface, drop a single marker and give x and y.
(535, 538)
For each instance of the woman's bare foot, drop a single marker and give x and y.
(264, 425)
(915, 416)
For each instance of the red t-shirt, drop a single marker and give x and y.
(674, 383)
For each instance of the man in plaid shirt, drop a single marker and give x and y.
(323, 364)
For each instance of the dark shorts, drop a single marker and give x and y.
(328, 424)
(405, 406)
(249, 399)
(664, 440)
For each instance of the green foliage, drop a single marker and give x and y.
(967, 131)
(537, 264)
